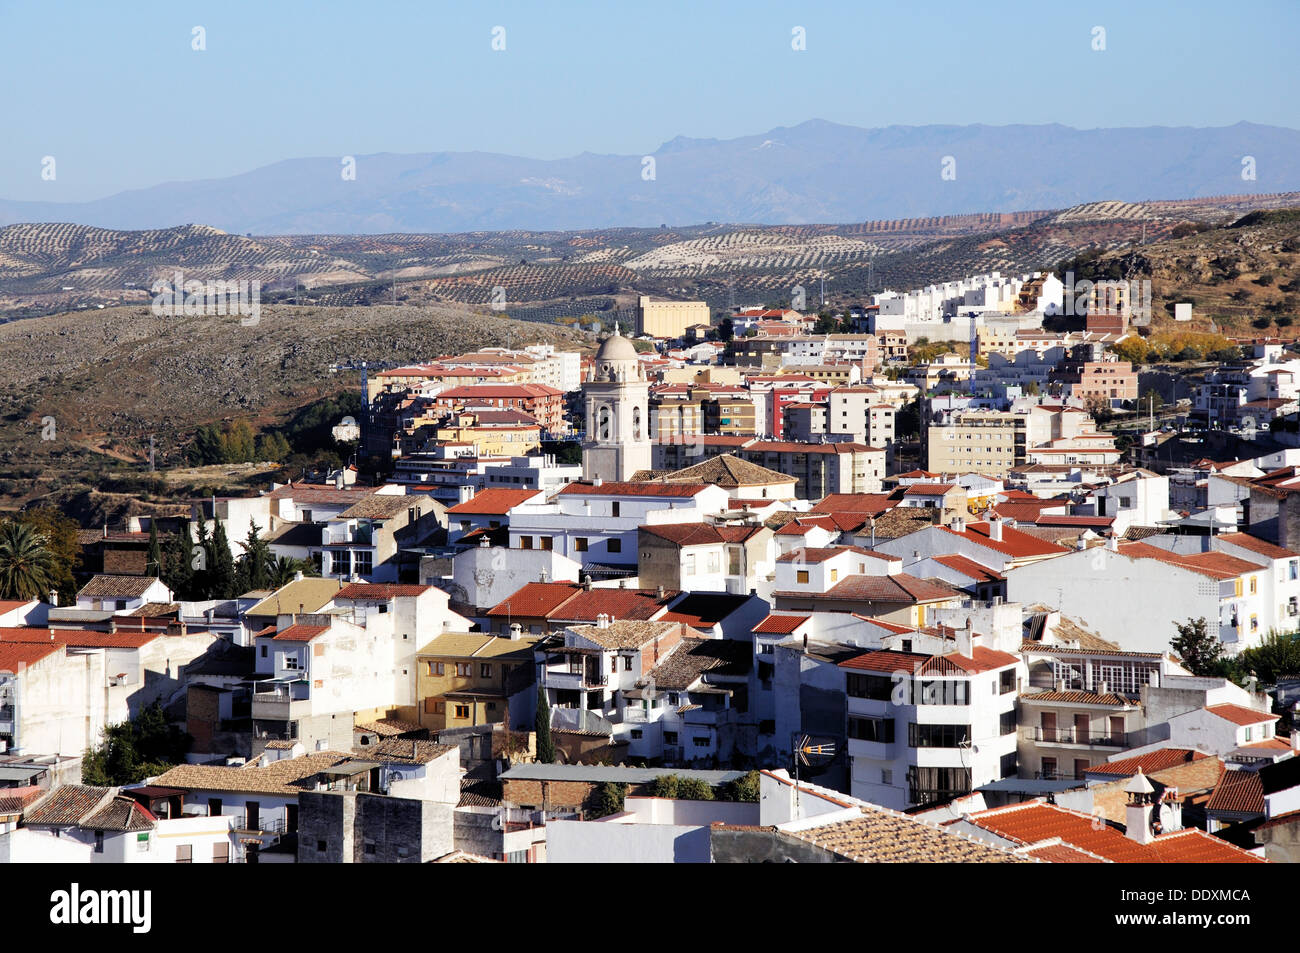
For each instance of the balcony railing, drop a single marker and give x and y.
(1069, 735)
(273, 825)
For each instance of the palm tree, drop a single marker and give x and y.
(284, 569)
(26, 563)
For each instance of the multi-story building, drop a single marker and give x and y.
(467, 679)
(928, 728)
(669, 319)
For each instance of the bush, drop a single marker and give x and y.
(609, 799)
(744, 789)
(693, 789)
(666, 785)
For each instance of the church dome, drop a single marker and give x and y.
(616, 348)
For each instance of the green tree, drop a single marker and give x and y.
(1276, 656)
(744, 789)
(666, 785)
(134, 750)
(63, 542)
(545, 746)
(154, 561)
(178, 563)
(694, 789)
(609, 799)
(1201, 652)
(221, 564)
(286, 568)
(254, 569)
(272, 447)
(27, 567)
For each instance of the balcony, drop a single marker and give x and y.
(573, 681)
(6, 719)
(280, 701)
(1069, 735)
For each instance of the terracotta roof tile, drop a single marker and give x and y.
(1240, 715)
(1148, 763)
(775, 624)
(493, 502)
(1238, 792)
(379, 591)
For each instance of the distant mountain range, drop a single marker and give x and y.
(814, 172)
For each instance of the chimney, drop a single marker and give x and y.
(54, 598)
(112, 624)
(516, 631)
(106, 531)
(660, 592)
(966, 640)
(338, 480)
(805, 641)
(1112, 543)
(586, 583)
(546, 576)
(995, 527)
(1137, 815)
(1103, 688)
(1060, 684)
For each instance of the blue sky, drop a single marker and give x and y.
(118, 96)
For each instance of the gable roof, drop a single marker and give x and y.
(379, 591)
(703, 610)
(648, 489)
(66, 805)
(700, 534)
(288, 776)
(780, 624)
(1014, 543)
(105, 586)
(1240, 715)
(1148, 763)
(727, 471)
(308, 594)
(1238, 792)
(16, 656)
(493, 502)
(690, 659)
(80, 638)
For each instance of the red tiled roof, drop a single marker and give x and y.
(1033, 821)
(9, 605)
(1256, 545)
(699, 534)
(470, 391)
(15, 656)
(1240, 715)
(1147, 763)
(900, 587)
(819, 554)
(300, 633)
(928, 489)
(493, 502)
(1238, 792)
(780, 624)
(886, 660)
(1014, 543)
(969, 567)
(81, 638)
(379, 591)
(535, 600)
(981, 659)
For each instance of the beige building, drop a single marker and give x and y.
(669, 319)
(990, 442)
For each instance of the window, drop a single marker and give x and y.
(462, 711)
(801, 576)
(1007, 723)
(221, 853)
(99, 838)
(670, 737)
(485, 671)
(937, 736)
(320, 846)
(1248, 731)
(636, 734)
(690, 564)
(463, 669)
(1008, 767)
(886, 776)
(613, 508)
(525, 542)
(835, 575)
(879, 730)
(1007, 681)
(701, 742)
(1049, 768)
(185, 853)
(263, 651)
(362, 562)
(614, 545)
(214, 807)
(437, 668)
(875, 687)
(548, 544)
(370, 847)
(580, 544)
(439, 708)
(627, 663)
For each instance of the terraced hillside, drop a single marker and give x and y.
(550, 275)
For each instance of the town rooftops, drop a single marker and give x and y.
(704, 610)
(381, 507)
(16, 656)
(404, 751)
(66, 805)
(478, 645)
(616, 488)
(599, 773)
(1240, 715)
(1256, 545)
(107, 586)
(1014, 543)
(628, 634)
(1238, 792)
(819, 554)
(288, 776)
(492, 502)
(1035, 822)
(309, 594)
(728, 472)
(981, 659)
(692, 659)
(969, 568)
(1148, 763)
(899, 587)
(80, 638)
(569, 602)
(300, 633)
(880, 836)
(700, 534)
(121, 813)
(780, 624)
(379, 591)
(494, 391)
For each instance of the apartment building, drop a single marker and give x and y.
(468, 679)
(669, 319)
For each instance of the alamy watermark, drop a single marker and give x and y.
(178, 297)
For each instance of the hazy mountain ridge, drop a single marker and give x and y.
(815, 172)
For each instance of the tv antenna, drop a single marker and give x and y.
(810, 752)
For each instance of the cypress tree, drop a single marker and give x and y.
(545, 746)
(221, 565)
